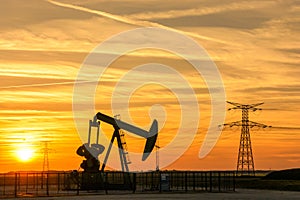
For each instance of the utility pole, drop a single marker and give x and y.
(245, 162)
(157, 156)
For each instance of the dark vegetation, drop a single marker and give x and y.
(288, 174)
(288, 180)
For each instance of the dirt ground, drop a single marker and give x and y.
(239, 194)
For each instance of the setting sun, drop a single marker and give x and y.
(24, 154)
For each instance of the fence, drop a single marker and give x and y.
(24, 184)
(211, 181)
(34, 184)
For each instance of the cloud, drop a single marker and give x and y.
(286, 127)
(276, 88)
(22, 15)
(126, 20)
(203, 10)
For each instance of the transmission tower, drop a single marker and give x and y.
(245, 162)
(45, 151)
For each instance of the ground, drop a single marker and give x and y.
(239, 194)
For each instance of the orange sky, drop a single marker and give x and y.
(255, 45)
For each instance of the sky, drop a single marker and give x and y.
(254, 44)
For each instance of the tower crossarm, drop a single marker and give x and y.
(252, 107)
(249, 123)
(252, 124)
(231, 124)
(256, 104)
(235, 104)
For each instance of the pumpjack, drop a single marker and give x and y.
(92, 177)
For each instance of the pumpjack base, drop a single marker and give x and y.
(94, 181)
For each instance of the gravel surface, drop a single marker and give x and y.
(239, 194)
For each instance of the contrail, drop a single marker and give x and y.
(45, 84)
(126, 20)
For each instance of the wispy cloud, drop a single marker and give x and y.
(127, 20)
(200, 11)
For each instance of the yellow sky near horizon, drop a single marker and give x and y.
(255, 45)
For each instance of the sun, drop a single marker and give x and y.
(24, 154)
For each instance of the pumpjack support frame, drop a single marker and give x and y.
(150, 135)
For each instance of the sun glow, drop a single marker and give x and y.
(24, 154)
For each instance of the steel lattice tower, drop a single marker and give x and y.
(245, 162)
(45, 151)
